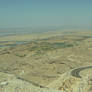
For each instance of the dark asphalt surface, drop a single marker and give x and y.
(76, 72)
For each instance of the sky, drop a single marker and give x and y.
(45, 13)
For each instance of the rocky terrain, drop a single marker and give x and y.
(49, 62)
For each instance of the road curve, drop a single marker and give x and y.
(76, 72)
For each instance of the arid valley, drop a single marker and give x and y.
(55, 61)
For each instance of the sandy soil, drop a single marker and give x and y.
(46, 60)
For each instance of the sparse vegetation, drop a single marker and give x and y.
(43, 60)
(20, 55)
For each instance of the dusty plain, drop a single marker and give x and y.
(43, 62)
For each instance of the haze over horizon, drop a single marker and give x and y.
(45, 13)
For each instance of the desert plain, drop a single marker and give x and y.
(55, 61)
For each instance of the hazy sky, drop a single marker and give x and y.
(33, 13)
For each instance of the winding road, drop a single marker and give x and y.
(76, 72)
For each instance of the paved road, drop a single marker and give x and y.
(17, 77)
(76, 72)
(20, 86)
